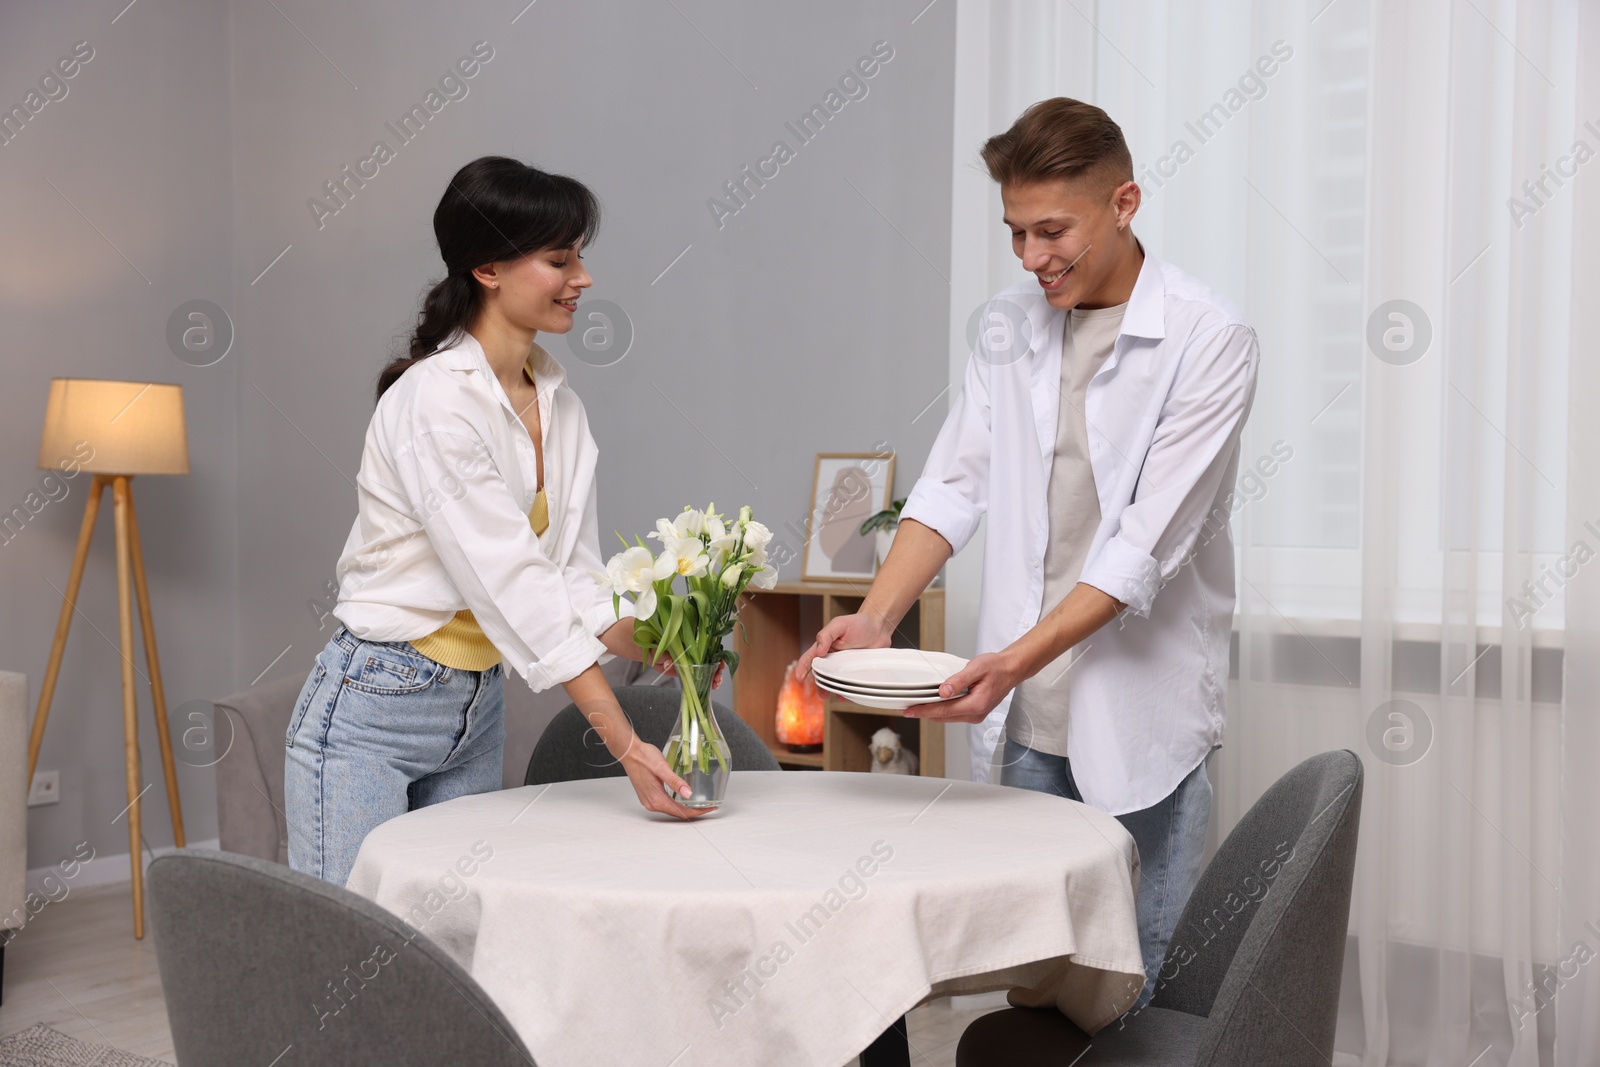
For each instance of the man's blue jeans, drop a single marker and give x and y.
(1170, 834)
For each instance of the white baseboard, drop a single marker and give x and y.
(100, 870)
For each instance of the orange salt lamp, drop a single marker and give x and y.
(799, 721)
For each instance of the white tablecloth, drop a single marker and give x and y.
(792, 926)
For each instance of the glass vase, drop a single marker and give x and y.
(696, 749)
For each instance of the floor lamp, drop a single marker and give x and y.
(116, 430)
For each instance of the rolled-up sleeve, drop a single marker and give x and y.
(953, 492)
(517, 594)
(1195, 442)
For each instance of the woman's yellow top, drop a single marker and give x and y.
(461, 642)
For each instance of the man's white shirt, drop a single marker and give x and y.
(1164, 414)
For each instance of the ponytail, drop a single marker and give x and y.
(448, 309)
(495, 209)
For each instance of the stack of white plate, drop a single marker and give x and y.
(892, 679)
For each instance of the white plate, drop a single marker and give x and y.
(873, 687)
(890, 703)
(889, 668)
(868, 691)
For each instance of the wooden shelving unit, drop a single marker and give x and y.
(779, 624)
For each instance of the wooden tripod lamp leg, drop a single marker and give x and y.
(154, 662)
(130, 724)
(69, 604)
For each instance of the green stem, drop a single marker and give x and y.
(693, 715)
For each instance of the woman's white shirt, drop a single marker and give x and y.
(448, 476)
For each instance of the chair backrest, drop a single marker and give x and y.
(570, 750)
(247, 730)
(1259, 949)
(262, 964)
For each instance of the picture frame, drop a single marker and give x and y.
(846, 489)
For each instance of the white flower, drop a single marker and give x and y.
(765, 578)
(665, 531)
(689, 523)
(756, 536)
(757, 558)
(730, 577)
(634, 571)
(684, 556)
(744, 515)
(721, 548)
(715, 528)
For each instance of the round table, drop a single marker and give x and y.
(792, 926)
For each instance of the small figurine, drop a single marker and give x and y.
(887, 755)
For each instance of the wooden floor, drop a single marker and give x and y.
(77, 969)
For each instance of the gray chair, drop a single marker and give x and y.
(1252, 976)
(261, 964)
(570, 751)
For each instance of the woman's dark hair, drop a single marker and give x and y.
(495, 209)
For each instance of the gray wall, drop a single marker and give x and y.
(139, 220)
(813, 319)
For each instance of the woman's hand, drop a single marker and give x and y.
(670, 670)
(619, 641)
(643, 763)
(648, 771)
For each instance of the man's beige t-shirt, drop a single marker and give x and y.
(1038, 715)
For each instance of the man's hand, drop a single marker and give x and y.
(991, 676)
(916, 557)
(987, 679)
(861, 630)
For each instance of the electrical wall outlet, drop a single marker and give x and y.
(46, 788)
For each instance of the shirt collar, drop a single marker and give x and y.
(467, 354)
(1146, 314)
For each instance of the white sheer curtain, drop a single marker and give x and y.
(1415, 578)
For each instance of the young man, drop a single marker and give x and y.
(1099, 428)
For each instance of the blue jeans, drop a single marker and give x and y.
(379, 730)
(1170, 834)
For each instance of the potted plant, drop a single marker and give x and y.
(884, 524)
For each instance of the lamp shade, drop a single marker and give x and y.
(128, 427)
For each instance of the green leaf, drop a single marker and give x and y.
(674, 622)
(731, 658)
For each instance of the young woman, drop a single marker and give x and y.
(474, 540)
